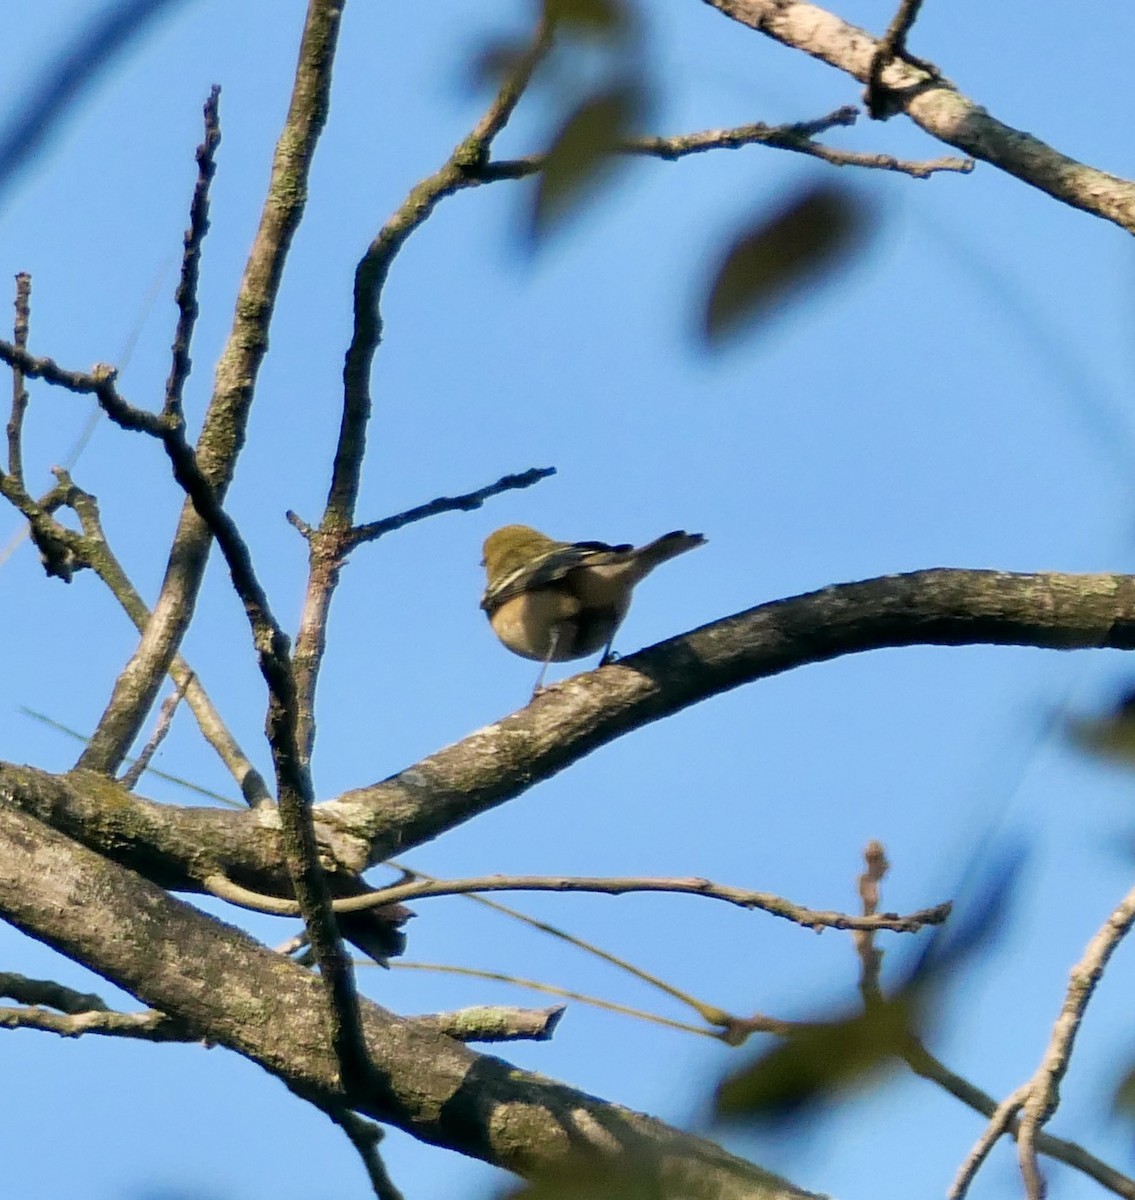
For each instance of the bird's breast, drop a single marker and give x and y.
(551, 624)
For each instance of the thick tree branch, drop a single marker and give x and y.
(180, 848)
(948, 607)
(937, 106)
(232, 991)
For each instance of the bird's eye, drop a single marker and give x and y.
(482, 562)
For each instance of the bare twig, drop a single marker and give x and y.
(94, 550)
(551, 990)
(601, 885)
(465, 503)
(225, 889)
(797, 136)
(937, 106)
(891, 45)
(870, 956)
(129, 779)
(327, 545)
(1002, 1119)
(365, 1136)
(226, 418)
(295, 794)
(186, 294)
(19, 391)
(179, 780)
(923, 1063)
(61, 549)
(98, 382)
(145, 1026)
(498, 1023)
(916, 168)
(39, 992)
(1044, 1087)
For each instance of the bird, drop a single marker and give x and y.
(554, 601)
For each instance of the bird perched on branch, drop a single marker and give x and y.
(554, 601)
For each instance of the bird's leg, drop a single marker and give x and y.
(553, 643)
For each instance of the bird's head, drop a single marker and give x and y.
(511, 547)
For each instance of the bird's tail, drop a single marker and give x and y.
(669, 545)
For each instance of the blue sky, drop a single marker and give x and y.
(958, 396)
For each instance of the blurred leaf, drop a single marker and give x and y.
(80, 58)
(582, 154)
(810, 236)
(603, 20)
(495, 62)
(1111, 736)
(977, 920)
(819, 1060)
(1123, 1100)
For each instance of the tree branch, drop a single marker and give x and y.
(1002, 1116)
(19, 391)
(497, 1023)
(129, 778)
(467, 502)
(180, 848)
(892, 44)
(1043, 1090)
(186, 294)
(797, 136)
(365, 1136)
(107, 567)
(39, 992)
(238, 994)
(144, 1027)
(936, 105)
(336, 535)
(948, 607)
(420, 889)
(226, 418)
(295, 794)
(536, 985)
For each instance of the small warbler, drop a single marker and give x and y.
(553, 601)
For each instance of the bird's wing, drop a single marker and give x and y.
(547, 568)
